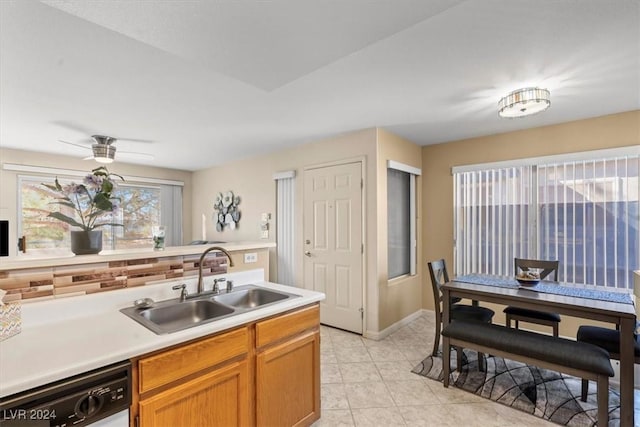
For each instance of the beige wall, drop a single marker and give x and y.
(252, 180)
(399, 297)
(437, 231)
(8, 182)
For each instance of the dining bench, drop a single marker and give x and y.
(575, 358)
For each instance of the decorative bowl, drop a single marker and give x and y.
(527, 282)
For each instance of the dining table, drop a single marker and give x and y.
(580, 301)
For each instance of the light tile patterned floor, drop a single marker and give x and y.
(369, 383)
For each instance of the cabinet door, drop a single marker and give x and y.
(288, 382)
(219, 398)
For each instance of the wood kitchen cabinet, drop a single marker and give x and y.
(288, 369)
(218, 398)
(200, 384)
(266, 373)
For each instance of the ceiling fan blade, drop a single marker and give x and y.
(72, 126)
(74, 144)
(143, 141)
(133, 154)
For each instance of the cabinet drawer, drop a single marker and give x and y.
(178, 363)
(286, 325)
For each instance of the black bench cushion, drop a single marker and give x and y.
(533, 314)
(471, 313)
(606, 338)
(559, 351)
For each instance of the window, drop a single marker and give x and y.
(582, 211)
(401, 219)
(140, 210)
(142, 206)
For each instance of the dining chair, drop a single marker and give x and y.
(606, 338)
(473, 313)
(518, 314)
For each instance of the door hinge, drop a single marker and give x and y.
(362, 248)
(361, 310)
(361, 183)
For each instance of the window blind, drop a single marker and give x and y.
(588, 219)
(285, 236)
(493, 219)
(583, 213)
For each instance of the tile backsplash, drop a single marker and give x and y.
(32, 284)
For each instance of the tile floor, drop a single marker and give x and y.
(369, 383)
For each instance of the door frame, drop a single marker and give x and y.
(363, 196)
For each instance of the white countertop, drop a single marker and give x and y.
(62, 338)
(26, 261)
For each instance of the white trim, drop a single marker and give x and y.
(377, 336)
(284, 175)
(392, 164)
(632, 150)
(72, 172)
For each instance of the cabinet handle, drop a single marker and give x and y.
(307, 253)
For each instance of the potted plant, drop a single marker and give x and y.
(90, 202)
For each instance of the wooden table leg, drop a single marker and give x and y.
(627, 361)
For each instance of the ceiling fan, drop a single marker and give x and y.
(104, 151)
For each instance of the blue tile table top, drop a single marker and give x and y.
(548, 287)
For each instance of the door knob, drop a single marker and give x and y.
(307, 253)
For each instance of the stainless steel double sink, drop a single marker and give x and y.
(174, 315)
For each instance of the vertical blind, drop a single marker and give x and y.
(583, 213)
(398, 223)
(402, 214)
(285, 237)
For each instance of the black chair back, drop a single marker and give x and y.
(439, 276)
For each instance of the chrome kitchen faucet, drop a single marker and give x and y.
(212, 248)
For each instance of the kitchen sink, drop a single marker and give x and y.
(175, 315)
(250, 298)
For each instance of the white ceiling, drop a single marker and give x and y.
(200, 83)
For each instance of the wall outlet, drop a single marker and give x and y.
(250, 257)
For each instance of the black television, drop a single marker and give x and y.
(4, 238)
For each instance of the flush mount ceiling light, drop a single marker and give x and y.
(524, 102)
(103, 151)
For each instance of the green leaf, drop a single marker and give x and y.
(63, 202)
(107, 186)
(102, 202)
(108, 223)
(64, 218)
(100, 171)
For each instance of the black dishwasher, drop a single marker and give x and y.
(77, 401)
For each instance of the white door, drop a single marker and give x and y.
(333, 242)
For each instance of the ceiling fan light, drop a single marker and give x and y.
(524, 102)
(103, 153)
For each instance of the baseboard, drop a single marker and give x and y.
(377, 336)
